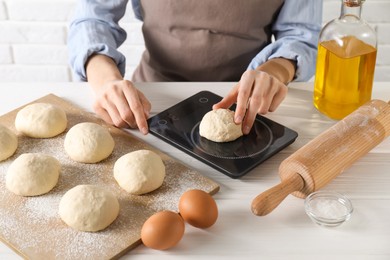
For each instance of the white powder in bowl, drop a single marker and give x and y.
(328, 208)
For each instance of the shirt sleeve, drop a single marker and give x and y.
(95, 29)
(137, 9)
(296, 32)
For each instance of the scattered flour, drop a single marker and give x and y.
(32, 224)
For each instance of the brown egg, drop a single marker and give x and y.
(162, 230)
(198, 208)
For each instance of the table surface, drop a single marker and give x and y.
(287, 232)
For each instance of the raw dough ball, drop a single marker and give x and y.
(8, 143)
(41, 120)
(139, 172)
(88, 208)
(218, 126)
(88, 143)
(33, 174)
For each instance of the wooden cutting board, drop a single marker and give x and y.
(31, 225)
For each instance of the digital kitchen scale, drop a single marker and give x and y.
(179, 126)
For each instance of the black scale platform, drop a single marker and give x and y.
(179, 126)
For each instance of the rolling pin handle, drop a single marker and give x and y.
(267, 201)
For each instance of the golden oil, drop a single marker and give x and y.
(344, 76)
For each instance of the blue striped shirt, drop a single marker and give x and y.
(95, 29)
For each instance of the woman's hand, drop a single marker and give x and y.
(256, 93)
(259, 91)
(121, 104)
(117, 101)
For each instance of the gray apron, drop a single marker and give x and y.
(203, 40)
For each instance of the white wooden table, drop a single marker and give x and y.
(286, 233)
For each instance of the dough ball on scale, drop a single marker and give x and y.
(218, 126)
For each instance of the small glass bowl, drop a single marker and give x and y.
(328, 208)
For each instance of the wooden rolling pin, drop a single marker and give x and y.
(329, 154)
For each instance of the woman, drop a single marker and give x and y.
(196, 40)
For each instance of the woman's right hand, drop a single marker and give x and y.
(121, 104)
(117, 101)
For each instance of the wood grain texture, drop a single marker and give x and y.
(267, 201)
(328, 155)
(31, 225)
(337, 148)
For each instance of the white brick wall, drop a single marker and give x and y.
(3, 12)
(33, 38)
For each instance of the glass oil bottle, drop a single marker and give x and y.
(346, 59)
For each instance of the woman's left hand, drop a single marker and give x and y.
(256, 93)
